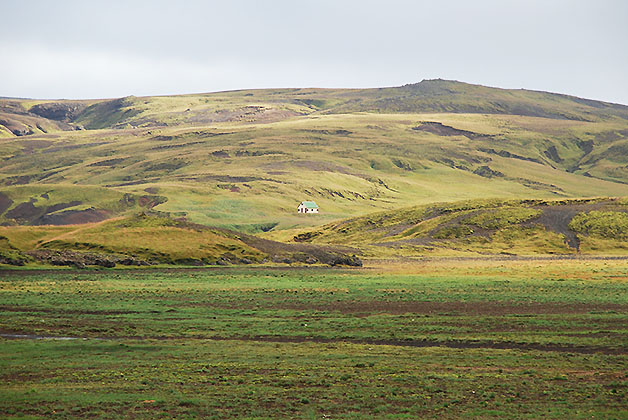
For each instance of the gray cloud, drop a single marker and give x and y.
(79, 49)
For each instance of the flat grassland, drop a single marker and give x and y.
(440, 338)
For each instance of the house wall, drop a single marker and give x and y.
(302, 209)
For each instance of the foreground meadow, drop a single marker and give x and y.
(443, 338)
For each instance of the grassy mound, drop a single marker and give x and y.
(486, 227)
(147, 240)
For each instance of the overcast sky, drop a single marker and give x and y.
(101, 49)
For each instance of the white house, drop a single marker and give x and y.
(307, 207)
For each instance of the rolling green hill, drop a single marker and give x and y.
(484, 227)
(245, 159)
(144, 240)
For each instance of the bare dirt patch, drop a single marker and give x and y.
(5, 202)
(9, 308)
(61, 206)
(18, 180)
(503, 345)
(486, 172)
(507, 154)
(27, 213)
(452, 308)
(150, 201)
(24, 212)
(108, 162)
(74, 217)
(454, 344)
(444, 130)
(302, 253)
(557, 218)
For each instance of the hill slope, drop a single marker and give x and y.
(428, 96)
(520, 227)
(148, 240)
(245, 159)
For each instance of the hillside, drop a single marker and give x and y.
(484, 227)
(245, 159)
(144, 240)
(428, 96)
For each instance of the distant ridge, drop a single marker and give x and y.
(439, 95)
(428, 95)
(573, 97)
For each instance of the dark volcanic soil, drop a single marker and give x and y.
(557, 218)
(73, 217)
(444, 130)
(28, 213)
(24, 212)
(455, 344)
(452, 308)
(5, 202)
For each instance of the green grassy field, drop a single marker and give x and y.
(446, 338)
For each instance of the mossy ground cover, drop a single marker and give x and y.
(445, 338)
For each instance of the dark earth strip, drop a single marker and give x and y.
(366, 307)
(506, 345)
(441, 308)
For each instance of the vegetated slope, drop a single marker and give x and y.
(591, 226)
(455, 97)
(245, 159)
(428, 96)
(149, 239)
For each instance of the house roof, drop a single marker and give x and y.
(309, 204)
